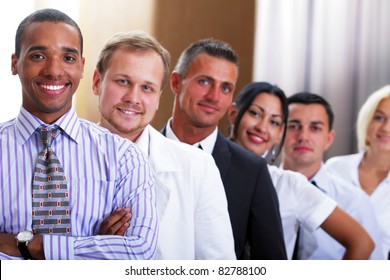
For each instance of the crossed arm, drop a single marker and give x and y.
(116, 224)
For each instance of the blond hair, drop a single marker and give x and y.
(366, 113)
(135, 40)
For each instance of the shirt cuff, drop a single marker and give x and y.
(58, 247)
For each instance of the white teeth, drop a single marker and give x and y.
(257, 138)
(52, 87)
(128, 112)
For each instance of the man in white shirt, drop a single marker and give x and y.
(194, 222)
(309, 134)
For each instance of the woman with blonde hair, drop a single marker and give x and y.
(369, 168)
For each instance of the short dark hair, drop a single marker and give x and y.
(211, 47)
(50, 15)
(245, 99)
(312, 98)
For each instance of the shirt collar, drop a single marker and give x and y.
(143, 142)
(207, 143)
(321, 178)
(169, 132)
(27, 124)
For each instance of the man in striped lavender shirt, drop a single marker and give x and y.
(103, 171)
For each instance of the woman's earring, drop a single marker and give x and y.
(273, 153)
(230, 131)
(271, 157)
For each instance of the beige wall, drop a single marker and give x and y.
(175, 23)
(99, 20)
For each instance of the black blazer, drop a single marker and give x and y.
(252, 201)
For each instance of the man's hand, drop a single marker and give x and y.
(117, 223)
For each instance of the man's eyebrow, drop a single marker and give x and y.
(294, 121)
(213, 79)
(71, 50)
(207, 77)
(37, 48)
(43, 48)
(317, 123)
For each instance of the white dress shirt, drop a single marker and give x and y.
(191, 200)
(321, 246)
(300, 204)
(207, 143)
(346, 167)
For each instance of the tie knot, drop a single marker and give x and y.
(48, 134)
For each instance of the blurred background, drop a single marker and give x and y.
(337, 49)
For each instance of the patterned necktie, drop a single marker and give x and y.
(50, 197)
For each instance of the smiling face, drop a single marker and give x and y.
(261, 126)
(206, 92)
(307, 136)
(129, 91)
(50, 67)
(378, 131)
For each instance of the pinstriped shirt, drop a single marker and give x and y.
(104, 172)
